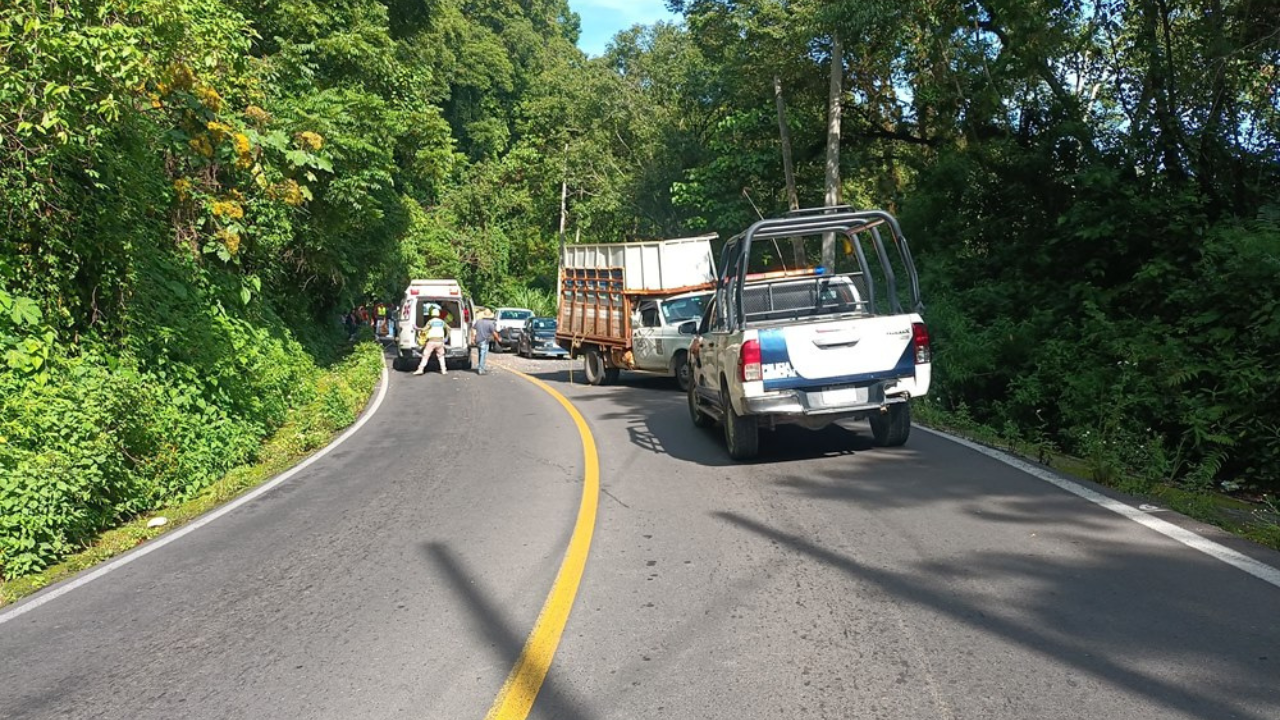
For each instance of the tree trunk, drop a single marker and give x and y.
(564, 198)
(788, 167)
(834, 109)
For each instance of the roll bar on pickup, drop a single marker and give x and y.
(857, 226)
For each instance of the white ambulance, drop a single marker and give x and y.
(455, 309)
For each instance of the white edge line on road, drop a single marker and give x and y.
(24, 607)
(1256, 568)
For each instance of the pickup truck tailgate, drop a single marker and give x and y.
(841, 352)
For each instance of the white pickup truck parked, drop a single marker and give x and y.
(811, 346)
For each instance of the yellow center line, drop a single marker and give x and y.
(518, 693)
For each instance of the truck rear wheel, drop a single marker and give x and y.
(593, 366)
(683, 373)
(892, 428)
(741, 433)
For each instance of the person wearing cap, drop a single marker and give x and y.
(436, 331)
(482, 331)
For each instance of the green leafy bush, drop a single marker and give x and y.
(1105, 314)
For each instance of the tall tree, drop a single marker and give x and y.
(835, 110)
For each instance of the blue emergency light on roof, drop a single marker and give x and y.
(819, 270)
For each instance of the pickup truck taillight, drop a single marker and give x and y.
(920, 338)
(749, 369)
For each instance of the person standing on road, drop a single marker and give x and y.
(436, 332)
(380, 313)
(481, 332)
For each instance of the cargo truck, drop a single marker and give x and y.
(622, 304)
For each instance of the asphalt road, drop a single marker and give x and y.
(400, 575)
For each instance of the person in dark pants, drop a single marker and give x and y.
(349, 323)
(481, 332)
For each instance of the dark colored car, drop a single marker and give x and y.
(538, 337)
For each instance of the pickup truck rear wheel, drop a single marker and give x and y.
(741, 433)
(892, 428)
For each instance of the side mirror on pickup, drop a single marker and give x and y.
(688, 327)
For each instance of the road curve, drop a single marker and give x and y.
(401, 575)
(398, 575)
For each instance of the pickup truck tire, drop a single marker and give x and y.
(699, 418)
(593, 367)
(891, 429)
(741, 434)
(683, 373)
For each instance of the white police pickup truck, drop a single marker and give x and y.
(782, 342)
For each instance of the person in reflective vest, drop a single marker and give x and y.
(437, 333)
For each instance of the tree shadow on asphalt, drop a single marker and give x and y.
(934, 471)
(656, 413)
(929, 470)
(505, 640)
(1108, 633)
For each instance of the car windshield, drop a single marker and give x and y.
(543, 324)
(515, 314)
(682, 309)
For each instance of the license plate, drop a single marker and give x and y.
(843, 396)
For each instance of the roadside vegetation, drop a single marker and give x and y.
(331, 400)
(194, 190)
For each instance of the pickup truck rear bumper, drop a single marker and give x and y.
(827, 401)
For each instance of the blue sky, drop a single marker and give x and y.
(602, 19)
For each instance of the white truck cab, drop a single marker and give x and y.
(455, 309)
(657, 344)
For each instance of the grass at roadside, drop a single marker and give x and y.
(342, 392)
(1256, 521)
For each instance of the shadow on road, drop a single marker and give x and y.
(1106, 632)
(656, 415)
(506, 641)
